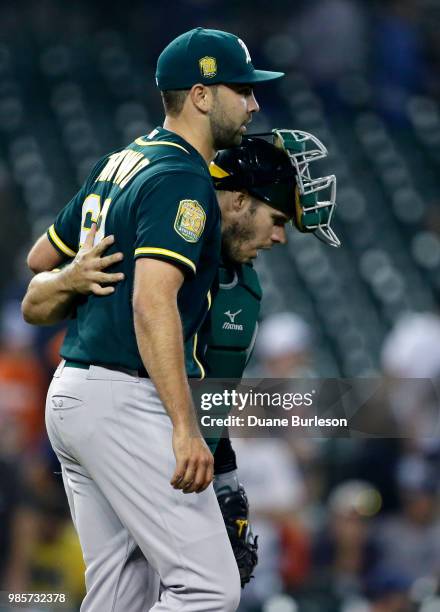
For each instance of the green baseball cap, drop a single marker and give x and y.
(208, 57)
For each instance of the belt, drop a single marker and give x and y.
(142, 373)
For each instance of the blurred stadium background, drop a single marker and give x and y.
(346, 525)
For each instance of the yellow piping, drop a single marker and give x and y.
(202, 369)
(145, 143)
(60, 244)
(172, 254)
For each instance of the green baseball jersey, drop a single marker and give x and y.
(156, 197)
(227, 336)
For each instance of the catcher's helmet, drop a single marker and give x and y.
(260, 168)
(278, 173)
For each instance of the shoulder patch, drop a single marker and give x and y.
(190, 220)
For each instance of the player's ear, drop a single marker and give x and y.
(231, 203)
(201, 97)
(240, 201)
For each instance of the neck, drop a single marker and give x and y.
(196, 135)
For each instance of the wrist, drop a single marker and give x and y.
(186, 425)
(224, 457)
(226, 483)
(67, 276)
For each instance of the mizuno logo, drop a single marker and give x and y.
(232, 315)
(231, 324)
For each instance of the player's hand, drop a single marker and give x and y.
(86, 272)
(194, 462)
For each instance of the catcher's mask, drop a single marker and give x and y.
(278, 173)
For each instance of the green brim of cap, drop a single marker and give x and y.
(257, 76)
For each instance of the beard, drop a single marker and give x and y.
(224, 132)
(234, 237)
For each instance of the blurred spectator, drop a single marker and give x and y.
(388, 591)
(412, 348)
(411, 351)
(284, 346)
(11, 522)
(55, 559)
(276, 493)
(280, 603)
(22, 383)
(344, 552)
(410, 542)
(40, 551)
(284, 350)
(333, 41)
(376, 460)
(400, 63)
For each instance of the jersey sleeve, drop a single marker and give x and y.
(174, 218)
(65, 231)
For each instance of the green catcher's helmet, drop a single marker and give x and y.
(278, 173)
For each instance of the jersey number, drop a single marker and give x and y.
(93, 212)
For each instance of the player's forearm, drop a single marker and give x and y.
(160, 341)
(224, 457)
(49, 298)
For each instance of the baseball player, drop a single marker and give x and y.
(119, 412)
(259, 191)
(260, 186)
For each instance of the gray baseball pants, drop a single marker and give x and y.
(113, 438)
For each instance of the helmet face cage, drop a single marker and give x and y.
(315, 215)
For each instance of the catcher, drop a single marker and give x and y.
(261, 186)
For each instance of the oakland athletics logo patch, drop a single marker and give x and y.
(190, 220)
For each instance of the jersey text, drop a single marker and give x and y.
(122, 166)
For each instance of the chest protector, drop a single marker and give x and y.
(228, 336)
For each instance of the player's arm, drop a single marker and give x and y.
(225, 465)
(176, 214)
(51, 293)
(43, 256)
(234, 507)
(159, 336)
(224, 456)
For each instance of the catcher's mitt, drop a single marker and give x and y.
(235, 510)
